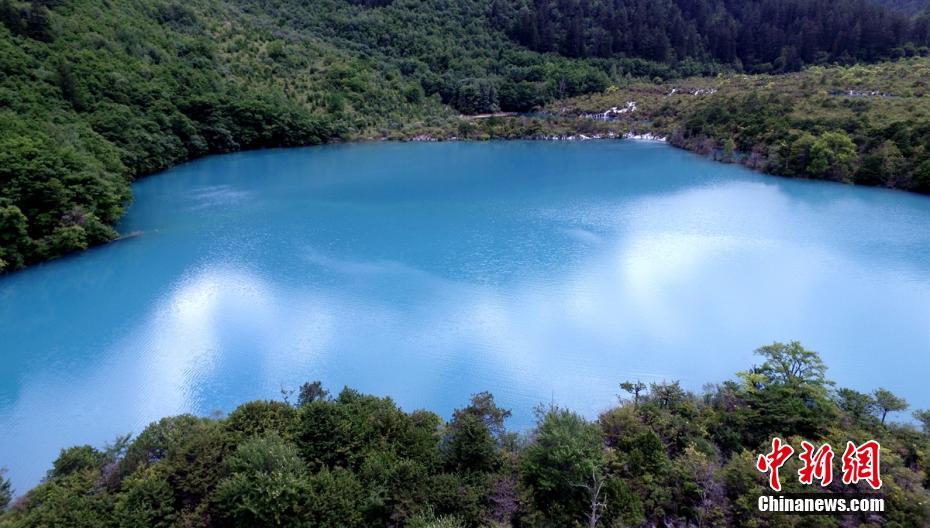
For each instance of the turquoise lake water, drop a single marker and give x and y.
(539, 271)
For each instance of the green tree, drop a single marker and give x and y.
(700, 477)
(6, 490)
(858, 405)
(14, 238)
(923, 416)
(311, 392)
(328, 499)
(75, 460)
(920, 181)
(791, 364)
(261, 417)
(832, 155)
(634, 388)
(322, 433)
(567, 452)
(266, 454)
(522, 96)
(667, 395)
(269, 486)
(744, 485)
(887, 402)
(883, 165)
(471, 440)
(646, 465)
(483, 407)
(786, 395)
(469, 446)
(476, 96)
(799, 155)
(146, 501)
(69, 496)
(431, 520)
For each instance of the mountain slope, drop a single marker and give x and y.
(754, 35)
(863, 124)
(94, 93)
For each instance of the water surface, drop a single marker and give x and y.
(539, 271)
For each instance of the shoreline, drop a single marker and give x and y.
(572, 125)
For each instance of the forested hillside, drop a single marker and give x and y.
(755, 36)
(663, 457)
(95, 93)
(864, 124)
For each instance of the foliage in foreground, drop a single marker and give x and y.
(664, 456)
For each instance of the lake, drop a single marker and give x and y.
(540, 271)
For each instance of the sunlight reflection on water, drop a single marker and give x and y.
(542, 272)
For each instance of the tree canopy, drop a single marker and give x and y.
(674, 457)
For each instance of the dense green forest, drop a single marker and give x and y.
(755, 36)
(95, 93)
(663, 457)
